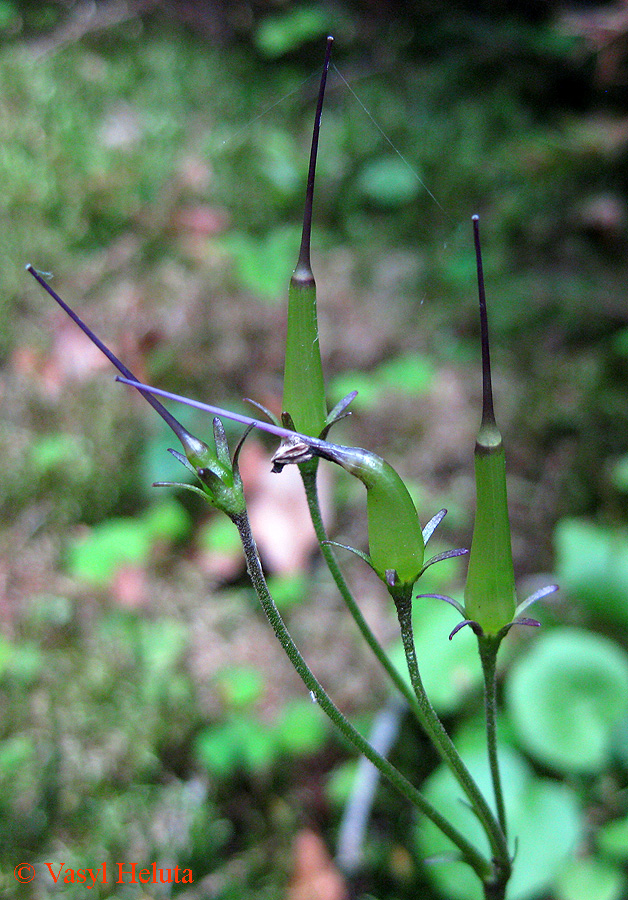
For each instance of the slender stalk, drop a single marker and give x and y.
(308, 474)
(478, 862)
(442, 741)
(488, 654)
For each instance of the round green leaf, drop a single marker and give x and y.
(543, 819)
(592, 879)
(566, 697)
(592, 567)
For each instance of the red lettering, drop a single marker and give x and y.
(121, 874)
(55, 878)
(144, 876)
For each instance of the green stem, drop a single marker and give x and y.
(308, 474)
(488, 654)
(442, 741)
(471, 855)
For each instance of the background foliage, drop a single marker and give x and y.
(153, 158)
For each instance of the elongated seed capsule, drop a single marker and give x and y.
(304, 386)
(490, 598)
(394, 532)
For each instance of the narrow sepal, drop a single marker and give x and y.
(537, 595)
(180, 457)
(455, 603)
(532, 623)
(238, 449)
(433, 524)
(446, 554)
(222, 447)
(363, 556)
(185, 487)
(477, 629)
(339, 411)
(269, 415)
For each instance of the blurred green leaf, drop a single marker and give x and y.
(300, 728)
(388, 182)
(619, 474)
(566, 696)
(280, 34)
(240, 744)
(288, 590)
(6, 653)
(9, 15)
(219, 534)
(51, 451)
(411, 373)
(240, 686)
(341, 782)
(15, 753)
(167, 521)
(96, 556)
(592, 567)
(264, 265)
(612, 840)
(543, 814)
(162, 643)
(591, 879)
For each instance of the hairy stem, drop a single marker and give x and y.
(488, 654)
(471, 855)
(442, 741)
(308, 474)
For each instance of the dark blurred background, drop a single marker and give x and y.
(153, 158)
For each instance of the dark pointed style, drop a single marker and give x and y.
(304, 386)
(196, 450)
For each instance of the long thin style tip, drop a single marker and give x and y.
(303, 271)
(159, 408)
(488, 413)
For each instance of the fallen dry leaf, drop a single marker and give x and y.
(278, 510)
(315, 876)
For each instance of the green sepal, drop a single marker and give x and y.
(222, 447)
(186, 487)
(433, 524)
(269, 415)
(363, 556)
(338, 412)
(446, 554)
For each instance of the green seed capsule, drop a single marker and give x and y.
(396, 542)
(490, 598)
(304, 387)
